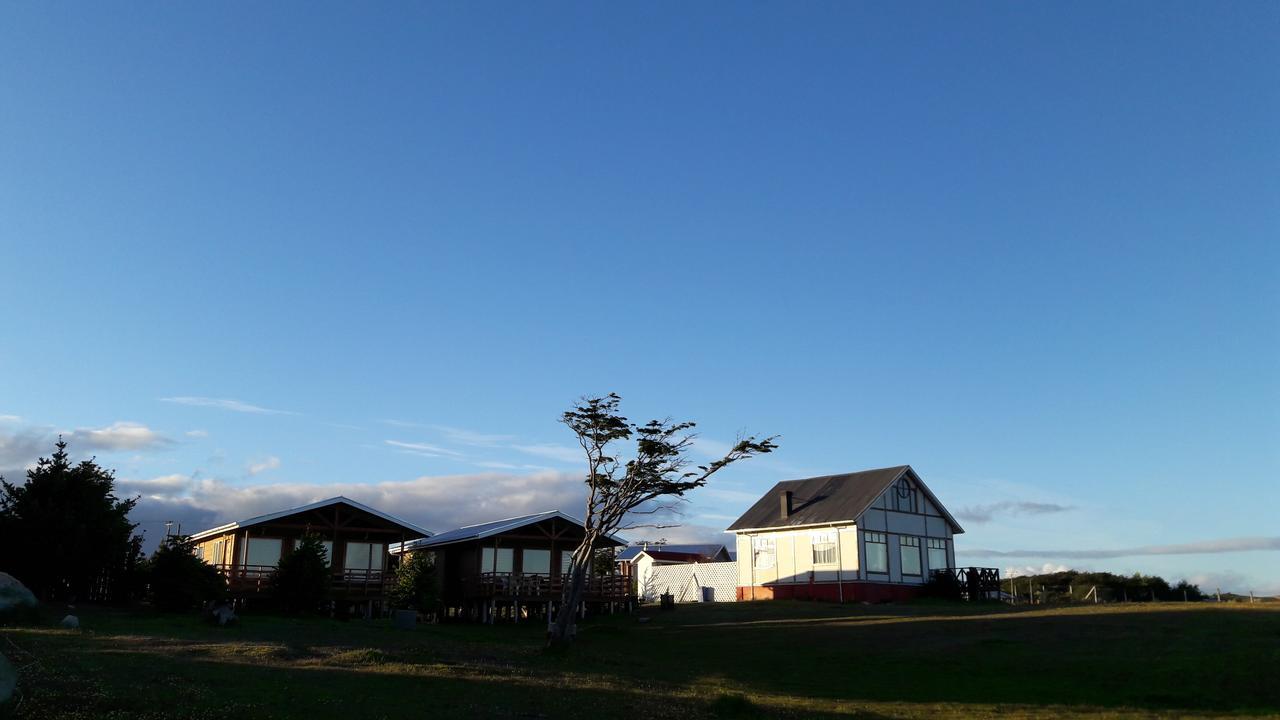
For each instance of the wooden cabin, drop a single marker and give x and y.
(356, 540)
(514, 568)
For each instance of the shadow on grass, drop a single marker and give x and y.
(1189, 658)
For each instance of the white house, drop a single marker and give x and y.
(639, 561)
(871, 535)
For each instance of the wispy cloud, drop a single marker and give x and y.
(561, 453)
(270, 463)
(469, 437)
(985, 513)
(1205, 547)
(225, 404)
(117, 436)
(424, 449)
(197, 433)
(10, 418)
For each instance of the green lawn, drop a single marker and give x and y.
(744, 660)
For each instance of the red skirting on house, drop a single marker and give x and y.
(872, 592)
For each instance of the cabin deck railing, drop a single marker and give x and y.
(544, 586)
(257, 578)
(974, 583)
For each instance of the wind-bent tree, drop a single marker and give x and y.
(65, 534)
(657, 474)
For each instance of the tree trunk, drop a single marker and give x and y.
(571, 597)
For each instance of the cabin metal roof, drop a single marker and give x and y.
(488, 529)
(829, 499)
(305, 508)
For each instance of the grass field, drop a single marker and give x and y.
(745, 660)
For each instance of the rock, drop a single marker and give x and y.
(14, 595)
(71, 622)
(223, 615)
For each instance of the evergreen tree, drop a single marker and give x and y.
(179, 579)
(301, 581)
(65, 534)
(415, 583)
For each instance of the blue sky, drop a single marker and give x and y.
(1029, 249)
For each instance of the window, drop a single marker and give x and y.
(328, 551)
(263, 551)
(824, 548)
(535, 562)
(904, 498)
(364, 556)
(937, 554)
(502, 561)
(909, 549)
(877, 553)
(762, 552)
(566, 560)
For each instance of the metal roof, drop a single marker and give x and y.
(322, 503)
(706, 550)
(484, 530)
(829, 499)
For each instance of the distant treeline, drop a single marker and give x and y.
(1073, 585)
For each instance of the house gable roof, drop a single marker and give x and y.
(489, 529)
(830, 499)
(305, 508)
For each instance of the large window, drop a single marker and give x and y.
(263, 551)
(502, 561)
(877, 552)
(937, 554)
(909, 549)
(535, 562)
(364, 556)
(762, 552)
(328, 551)
(824, 547)
(566, 561)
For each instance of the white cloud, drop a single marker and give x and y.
(197, 433)
(225, 404)
(1025, 570)
(1227, 545)
(270, 463)
(117, 436)
(163, 486)
(437, 503)
(10, 418)
(424, 449)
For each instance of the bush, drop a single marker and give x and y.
(415, 583)
(301, 582)
(181, 581)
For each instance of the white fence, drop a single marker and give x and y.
(696, 582)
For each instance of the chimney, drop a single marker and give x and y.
(786, 504)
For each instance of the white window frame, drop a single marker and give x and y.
(937, 545)
(904, 542)
(764, 551)
(881, 545)
(823, 548)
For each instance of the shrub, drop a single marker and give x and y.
(415, 583)
(179, 580)
(301, 582)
